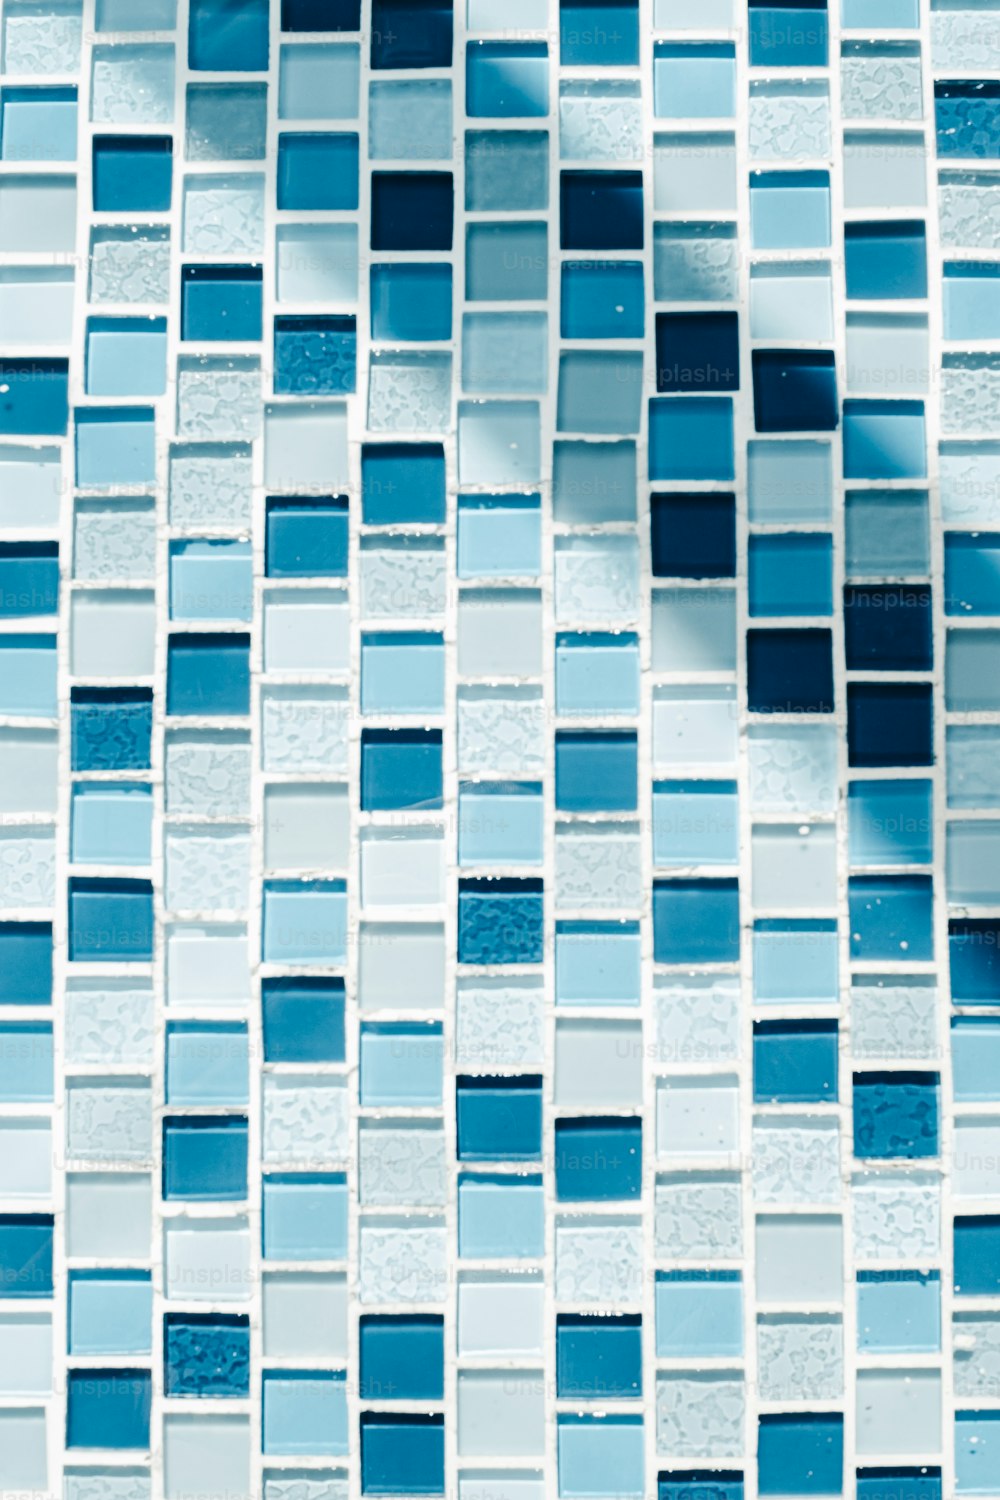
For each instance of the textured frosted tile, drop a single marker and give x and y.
(596, 580)
(800, 1359)
(208, 774)
(962, 43)
(700, 1416)
(402, 1166)
(210, 485)
(409, 392)
(796, 1160)
(793, 769)
(223, 215)
(598, 866)
(27, 868)
(600, 122)
(789, 122)
(402, 1261)
(896, 1218)
(698, 1217)
(109, 1120)
(881, 82)
(400, 579)
(970, 393)
(977, 1354)
(132, 85)
(218, 400)
(894, 1018)
(305, 1119)
(42, 39)
(304, 729)
(598, 1262)
(114, 1023)
(697, 1020)
(695, 262)
(967, 210)
(207, 869)
(114, 541)
(499, 1023)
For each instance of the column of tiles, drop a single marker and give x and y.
(499, 555)
(960, 107)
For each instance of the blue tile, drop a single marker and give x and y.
(899, 1312)
(26, 963)
(697, 352)
(977, 1255)
(303, 1019)
(411, 302)
(317, 171)
(598, 1160)
(110, 921)
(400, 768)
(411, 34)
(108, 1408)
(790, 671)
(26, 1255)
(222, 303)
(402, 1454)
(699, 1315)
(596, 772)
(111, 729)
(307, 538)
(412, 210)
(304, 1217)
(402, 482)
(305, 1412)
(696, 921)
(600, 210)
(208, 674)
(315, 356)
(35, 397)
(896, 1115)
(402, 1358)
(229, 36)
(598, 33)
(132, 174)
(206, 1355)
(598, 1357)
(501, 1218)
(110, 1312)
(795, 1062)
(788, 36)
(500, 921)
(205, 1157)
(499, 1119)
(800, 1454)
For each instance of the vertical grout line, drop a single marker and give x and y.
(166, 430)
(258, 784)
(743, 429)
(947, 1140)
(844, 1070)
(357, 424)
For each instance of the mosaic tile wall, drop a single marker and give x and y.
(499, 749)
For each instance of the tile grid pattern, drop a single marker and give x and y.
(213, 1205)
